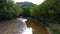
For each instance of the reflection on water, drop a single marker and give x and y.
(27, 31)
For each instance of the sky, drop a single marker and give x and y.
(33, 1)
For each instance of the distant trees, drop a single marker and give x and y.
(26, 7)
(26, 11)
(8, 9)
(34, 12)
(24, 4)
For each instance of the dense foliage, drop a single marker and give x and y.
(48, 11)
(8, 9)
(26, 7)
(26, 11)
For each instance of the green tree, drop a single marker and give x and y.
(48, 11)
(26, 11)
(8, 9)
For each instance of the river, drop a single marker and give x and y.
(22, 26)
(34, 27)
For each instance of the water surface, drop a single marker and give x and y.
(22, 26)
(37, 28)
(33, 27)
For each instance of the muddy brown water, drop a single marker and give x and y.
(37, 27)
(17, 27)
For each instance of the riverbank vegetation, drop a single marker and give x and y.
(8, 9)
(48, 12)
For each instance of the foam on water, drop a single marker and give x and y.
(25, 30)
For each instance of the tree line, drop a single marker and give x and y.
(8, 9)
(48, 11)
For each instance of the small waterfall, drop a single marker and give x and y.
(26, 30)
